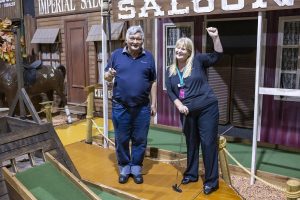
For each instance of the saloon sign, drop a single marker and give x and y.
(50, 7)
(130, 9)
(10, 9)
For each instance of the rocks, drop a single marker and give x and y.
(257, 191)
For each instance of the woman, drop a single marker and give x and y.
(188, 88)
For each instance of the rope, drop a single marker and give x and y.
(73, 106)
(177, 160)
(227, 130)
(288, 193)
(98, 129)
(43, 110)
(248, 172)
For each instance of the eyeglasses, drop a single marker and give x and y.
(138, 39)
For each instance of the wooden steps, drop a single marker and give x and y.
(98, 166)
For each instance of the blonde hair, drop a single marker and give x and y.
(189, 46)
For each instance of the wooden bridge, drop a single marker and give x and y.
(98, 166)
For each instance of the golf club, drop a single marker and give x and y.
(176, 187)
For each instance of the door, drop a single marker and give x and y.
(233, 78)
(77, 60)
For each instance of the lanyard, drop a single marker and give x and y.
(180, 76)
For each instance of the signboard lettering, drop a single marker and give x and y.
(130, 9)
(7, 3)
(46, 7)
(10, 9)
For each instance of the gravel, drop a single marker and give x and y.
(258, 191)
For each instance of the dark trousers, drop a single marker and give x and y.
(130, 124)
(201, 127)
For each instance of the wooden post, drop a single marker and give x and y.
(21, 95)
(89, 114)
(293, 190)
(223, 160)
(48, 106)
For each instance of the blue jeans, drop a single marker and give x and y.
(130, 124)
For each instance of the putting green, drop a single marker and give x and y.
(45, 182)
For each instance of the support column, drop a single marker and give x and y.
(223, 161)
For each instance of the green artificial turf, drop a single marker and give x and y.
(102, 194)
(269, 160)
(45, 182)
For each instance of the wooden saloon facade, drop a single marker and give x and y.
(276, 59)
(69, 32)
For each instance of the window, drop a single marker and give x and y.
(50, 54)
(49, 45)
(172, 32)
(288, 55)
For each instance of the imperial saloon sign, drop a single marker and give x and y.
(131, 9)
(57, 7)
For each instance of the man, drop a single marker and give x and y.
(134, 74)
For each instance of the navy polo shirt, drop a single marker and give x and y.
(198, 93)
(134, 77)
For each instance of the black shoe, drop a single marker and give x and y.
(207, 189)
(187, 180)
(138, 179)
(123, 178)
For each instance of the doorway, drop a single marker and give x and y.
(233, 78)
(77, 60)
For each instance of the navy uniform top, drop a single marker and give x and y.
(197, 92)
(134, 77)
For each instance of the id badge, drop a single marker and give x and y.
(180, 85)
(181, 93)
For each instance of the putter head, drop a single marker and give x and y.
(176, 188)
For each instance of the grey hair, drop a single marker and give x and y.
(133, 30)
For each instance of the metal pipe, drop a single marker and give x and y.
(257, 97)
(104, 14)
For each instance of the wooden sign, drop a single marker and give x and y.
(10, 9)
(63, 7)
(138, 9)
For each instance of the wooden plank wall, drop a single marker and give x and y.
(23, 137)
(30, 27)
(12, 12)
(92, 18)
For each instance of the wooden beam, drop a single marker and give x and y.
(14, 165)
(17, 185)
(26, 133)
(113, 191)
(72, 177)
(31, 159)
(279, 92)
(30, 106)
